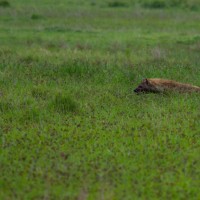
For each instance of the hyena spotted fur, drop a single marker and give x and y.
(157, 85)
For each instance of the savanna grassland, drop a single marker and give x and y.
(71, 126)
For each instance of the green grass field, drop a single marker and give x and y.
(71, 126)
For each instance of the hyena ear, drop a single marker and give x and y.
(146, 81)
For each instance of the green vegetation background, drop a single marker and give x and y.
(71, 126)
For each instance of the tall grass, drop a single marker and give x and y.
(71, 126)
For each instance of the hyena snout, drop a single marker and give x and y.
(138, 89)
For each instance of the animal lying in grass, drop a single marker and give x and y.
(157, 85)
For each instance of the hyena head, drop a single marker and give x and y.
(146, 86)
